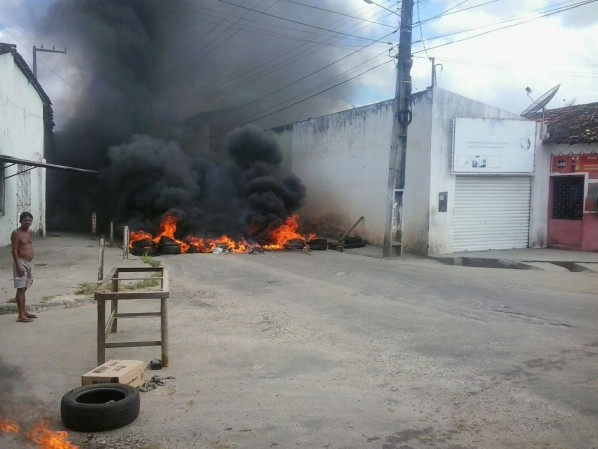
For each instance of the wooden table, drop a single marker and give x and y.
(110, 289)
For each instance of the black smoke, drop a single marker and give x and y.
(243, 197)
(137, 83)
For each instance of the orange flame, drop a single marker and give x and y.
(277, 238)
(8, 426)
(49, 439)
(168, 228)
(135, 236)
(207, 245)
(40, 434)
(284, 233)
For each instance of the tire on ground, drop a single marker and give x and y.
(99, 407)
(354, 242)
(318, 244)
(170, 249)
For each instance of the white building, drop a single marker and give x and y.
(25, 120)
(476, 176)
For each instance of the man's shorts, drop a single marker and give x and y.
(26, 280)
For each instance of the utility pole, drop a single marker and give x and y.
(36, 49)
(393, 231)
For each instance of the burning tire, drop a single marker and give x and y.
(354, 242)
(94, 408)
(143, 251)
(170, 249)
(318, 244)
(295, 244)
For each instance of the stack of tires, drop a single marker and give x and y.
(166, 245)
(143, 247)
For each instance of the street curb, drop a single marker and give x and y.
(480, 262)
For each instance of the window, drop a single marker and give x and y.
(567, 197)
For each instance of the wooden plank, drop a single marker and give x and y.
(137, 314)
(133, 344)
(101, 355)
(132, 295)
(164, 330)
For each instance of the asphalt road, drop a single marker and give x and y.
(335, 350)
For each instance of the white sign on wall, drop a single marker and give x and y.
(494, 145)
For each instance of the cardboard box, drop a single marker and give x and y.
(127, 372)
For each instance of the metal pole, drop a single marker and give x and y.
(94, 226)
(111, 234)
(398, 147)
(126, 243)
(101, 259)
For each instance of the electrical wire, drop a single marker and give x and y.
(551, 13)
(296, 21)
(340, 13)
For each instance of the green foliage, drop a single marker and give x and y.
(86, 288)
(150, 261)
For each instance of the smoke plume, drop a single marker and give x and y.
(150, 109)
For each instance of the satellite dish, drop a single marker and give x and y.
(541, 102)
(570, 103)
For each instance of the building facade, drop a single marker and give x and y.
(476, 176)
(25, 118)
(571, 139)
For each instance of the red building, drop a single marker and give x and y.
(572, 138)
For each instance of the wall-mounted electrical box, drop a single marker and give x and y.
(442, 201)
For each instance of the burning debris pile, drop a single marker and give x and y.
(283, 237)
(175, 198)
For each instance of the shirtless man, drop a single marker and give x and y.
(22, 257)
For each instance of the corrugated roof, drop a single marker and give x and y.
(571, 124)
(22, 65)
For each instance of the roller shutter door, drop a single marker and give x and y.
(491, 213)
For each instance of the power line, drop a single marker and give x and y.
(284, 63)
(316, 94)
(577, 5)
(340, 13)
(308, 75)
(296, 21)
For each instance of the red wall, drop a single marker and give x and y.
(589, 240)
(565, 233)
(574, 234)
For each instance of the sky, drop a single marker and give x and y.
(277, 61)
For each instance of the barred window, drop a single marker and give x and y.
(567, 197)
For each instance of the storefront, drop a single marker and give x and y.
(572, 202)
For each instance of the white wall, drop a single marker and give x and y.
(21, 136)
(343, 159)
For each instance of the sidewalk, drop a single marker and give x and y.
(63, 264)
(525, 258)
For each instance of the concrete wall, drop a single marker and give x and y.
(342, 159)
(21, 136)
